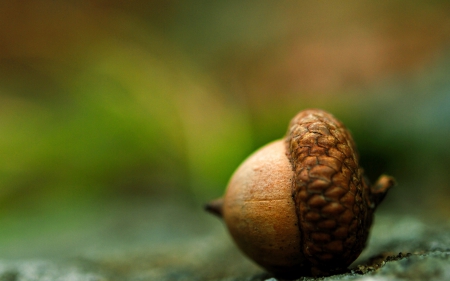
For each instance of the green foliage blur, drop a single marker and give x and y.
(162, 99)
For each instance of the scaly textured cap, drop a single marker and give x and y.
(332, 199)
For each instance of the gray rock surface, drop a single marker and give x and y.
(165, 241)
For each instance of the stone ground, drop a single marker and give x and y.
(163, 241)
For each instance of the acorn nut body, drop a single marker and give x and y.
(301, 205)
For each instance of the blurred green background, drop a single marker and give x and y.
(160, 100)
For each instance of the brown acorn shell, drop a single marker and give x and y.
(331, 196)
(301, 206)
(260, 214)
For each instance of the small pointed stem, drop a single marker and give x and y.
(381, 187)
(215, 207)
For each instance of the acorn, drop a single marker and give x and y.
(301, 206)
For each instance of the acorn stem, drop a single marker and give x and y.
(381, 187)
(215, 207)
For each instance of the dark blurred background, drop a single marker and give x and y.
(107, 103)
